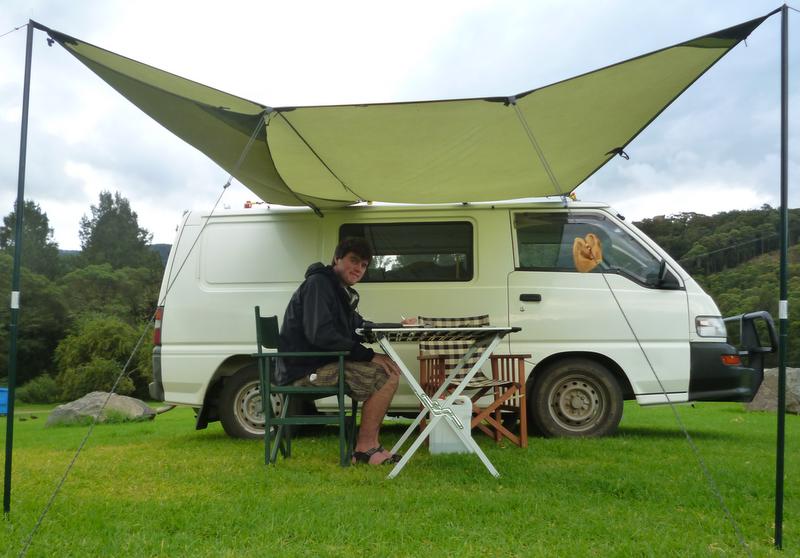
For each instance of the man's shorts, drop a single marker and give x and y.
(363, 378)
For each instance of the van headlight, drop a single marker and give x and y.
(710, 326)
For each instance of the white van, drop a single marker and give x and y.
(629, 324)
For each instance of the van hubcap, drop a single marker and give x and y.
(576, 403)
(248, 408)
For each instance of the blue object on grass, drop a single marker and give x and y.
(3, 401)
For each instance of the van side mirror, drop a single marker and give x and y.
(666, 279)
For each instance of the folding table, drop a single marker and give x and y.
(487, 338)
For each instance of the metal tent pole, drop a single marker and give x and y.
(12, 351)
(783, 304)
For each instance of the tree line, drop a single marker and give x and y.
(754, 286)
(706, 244)
(734, 256)
(80, 314)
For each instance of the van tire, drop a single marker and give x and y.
(240, 405)
(575, 398)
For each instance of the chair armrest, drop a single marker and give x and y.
(301, 354)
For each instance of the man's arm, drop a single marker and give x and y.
(361, 322)
(387, 363)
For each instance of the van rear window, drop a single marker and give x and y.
(414, 252)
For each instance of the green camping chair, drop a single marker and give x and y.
(267, 337)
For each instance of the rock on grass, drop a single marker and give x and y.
(120, 408)
(767, 397)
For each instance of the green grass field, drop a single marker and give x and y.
(163, 489)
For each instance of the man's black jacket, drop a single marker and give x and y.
(320, 317)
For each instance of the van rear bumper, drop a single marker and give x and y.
(155, 387)
(711, 380)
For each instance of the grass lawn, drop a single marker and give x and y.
(163, 489)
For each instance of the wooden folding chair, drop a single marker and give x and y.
(506, 387)
(267, 337)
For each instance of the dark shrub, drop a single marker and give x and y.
(42, 389)
(94, 354)
(99, 374)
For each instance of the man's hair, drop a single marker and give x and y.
(359, 246)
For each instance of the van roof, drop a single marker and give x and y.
(382, 207)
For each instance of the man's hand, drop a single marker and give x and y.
(387, 364)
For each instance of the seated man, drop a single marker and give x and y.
(322, 316)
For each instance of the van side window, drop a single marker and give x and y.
(413, 252)
(583, 243)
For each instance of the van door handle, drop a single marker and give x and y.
(530, 297)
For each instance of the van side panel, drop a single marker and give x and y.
(571, 309)
(208, 314)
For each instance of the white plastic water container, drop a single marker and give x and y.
(443, 439)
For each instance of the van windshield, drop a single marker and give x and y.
(581, 243)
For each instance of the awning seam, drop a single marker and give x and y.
(532, 138)
(319, 158)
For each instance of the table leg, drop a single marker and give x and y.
(414, 447)
(477, 344)
(487, 352)
(415, 387)
(463, 434)
(436, 411)
(427, 407)
(469, 442)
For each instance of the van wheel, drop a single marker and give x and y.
(240, 405)
(575, 398)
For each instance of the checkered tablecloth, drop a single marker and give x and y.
(427, 334)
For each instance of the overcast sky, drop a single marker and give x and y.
(716, 148)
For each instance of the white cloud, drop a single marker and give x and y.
(688, 182)
(698, 197)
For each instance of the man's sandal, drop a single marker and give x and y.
(395, 458)
(364, 456)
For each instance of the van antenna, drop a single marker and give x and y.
(567, 197)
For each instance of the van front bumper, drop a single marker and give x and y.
(711, 380)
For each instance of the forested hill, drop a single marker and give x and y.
(734, 256)
(754, 286)
(705, 244)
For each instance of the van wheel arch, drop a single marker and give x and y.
(239, 406)
(231, 366)
(596, 384)
(610, 364)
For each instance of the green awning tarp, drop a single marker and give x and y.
(542, 142)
